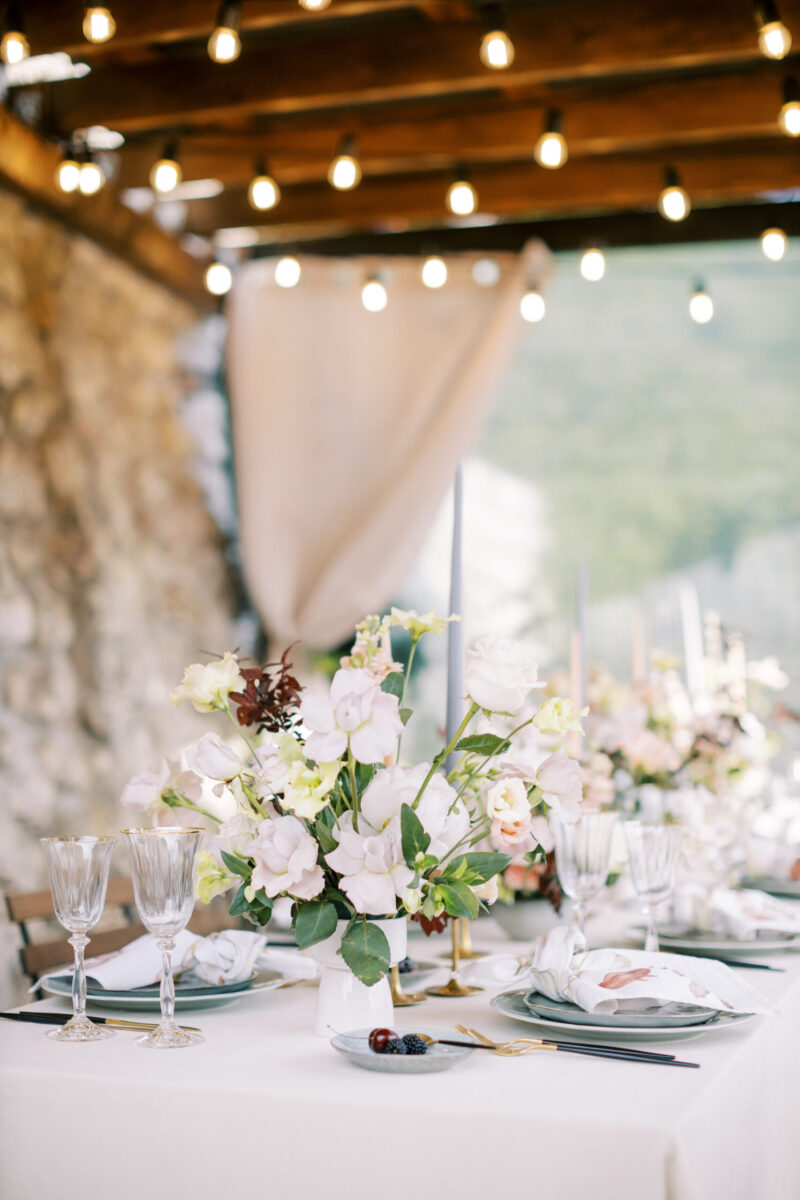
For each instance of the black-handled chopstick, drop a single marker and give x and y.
(45, 1018)
(579, 1047)
(620, 1055)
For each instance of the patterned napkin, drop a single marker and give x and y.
(745, 915)
(610, 981)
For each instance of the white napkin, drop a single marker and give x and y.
(288, 962)
(226, 957)
(746, 914)
(493, 971)
(612, 980)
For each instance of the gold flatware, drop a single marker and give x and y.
(521, 1046)
(45, 1018)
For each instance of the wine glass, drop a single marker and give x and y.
(583, 851)
(163, 865)
(653, 852)
(78, 870)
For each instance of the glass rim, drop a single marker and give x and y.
(162, 829)
(78, 837)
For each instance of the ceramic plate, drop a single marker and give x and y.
(677, 1015)
(790, 888)
(187, 997)
(355, 1047)
(713, 945)
(512, 1004)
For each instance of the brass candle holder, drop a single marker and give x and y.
(466, 949)
(454, 987)
(401, 999)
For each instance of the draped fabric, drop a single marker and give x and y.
(348, 425)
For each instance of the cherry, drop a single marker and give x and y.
(379, 1038)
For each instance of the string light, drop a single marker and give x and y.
(434, 272)
(773, 244)
(774, 39)
(531, 306)
(166, 173)
(461, 199)
(551, 148)
(485, 272)
(593, 264)
(497, 49)
(91, 179)
(98, 24)
(789, 118)
(287, 272)
(673, 202)
(68, 173)
(224, 45)
(263, 192)
(701, 307)
(344, 173)
(374, 296)
(218, 279)
(14, 45)
(314, 5)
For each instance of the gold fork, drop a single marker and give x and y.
(521, 1046)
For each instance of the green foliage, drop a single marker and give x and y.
(314, 921)
(483, 743)
(406, 714)
(366, 951)
(323, 827)
(394, 683)
(237, 865)
(458, 899)
(476, 868)
(414, 838)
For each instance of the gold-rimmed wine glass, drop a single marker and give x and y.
(163, 866)
(78, 871)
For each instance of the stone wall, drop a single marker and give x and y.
(112, 575)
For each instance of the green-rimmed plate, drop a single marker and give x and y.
(787, 888)
(668, 1016)
(188, 996)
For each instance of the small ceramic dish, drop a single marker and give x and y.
(355, 1047)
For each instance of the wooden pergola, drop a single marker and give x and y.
(641, 87)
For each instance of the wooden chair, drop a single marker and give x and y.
(36, 956)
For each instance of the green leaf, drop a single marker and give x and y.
(406, 714)
(322, 832)
(314, 922)
(366, 951)
(477, 866)
(239, 903)
(414, 838)
(394, 684)
(483, 743)
(458, 899)
(236, 865)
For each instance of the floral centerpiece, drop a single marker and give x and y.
(317, 806)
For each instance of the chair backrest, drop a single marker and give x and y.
(39, 956)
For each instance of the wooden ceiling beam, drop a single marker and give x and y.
(27, 165)
(711, 176)
(578, 39)
(634, 116)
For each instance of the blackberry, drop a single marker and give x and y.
(396, 1046)
(406, 965)
(414, 1044)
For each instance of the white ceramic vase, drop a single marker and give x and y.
(343, 1001)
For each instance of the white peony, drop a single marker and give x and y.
(355, 714)
(286, 860)
(371, 864)
(208, 685)
(442, 814)
(214, 758)
(499, 675)
(559, 778)
(143, 791)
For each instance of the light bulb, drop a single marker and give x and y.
(774, 40)
(593, 265)
(434, 272)
(701, 308)
(497, 49)
(551, 149)
(773, 244)
(219, 279)
(789, 119)
(344, 173)
(165, 175)
(68, 173)
(531, 306)
(462, 199)
(287, 272)
(90, 179)
(14, 47)
(314, 5)
(98, 24)
(374, 296)
(673, 201)
(224, 45)
(263, 192)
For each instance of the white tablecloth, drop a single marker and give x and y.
(266, 1109)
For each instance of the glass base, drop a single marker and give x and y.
(80, 1029)
(169, 1037)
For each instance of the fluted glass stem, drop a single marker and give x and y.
(79, 942)
(166, 946)
(651, 936)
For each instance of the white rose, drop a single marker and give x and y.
(396, 786)
(143, 792)
(235, 835)
(507, 801)
(499, 675)
(286, 860)
(371, 864)
(208, 685)
(355, 714)
(214, 758)
(488, 891)
(559, 778)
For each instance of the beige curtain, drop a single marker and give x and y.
(348, 425)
